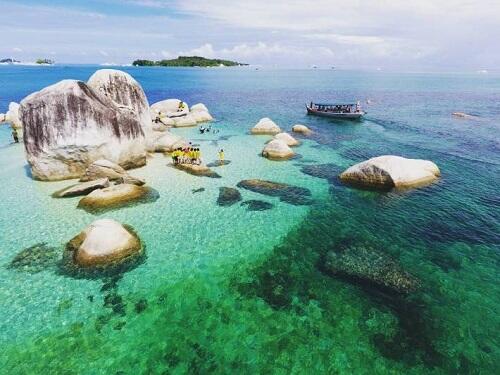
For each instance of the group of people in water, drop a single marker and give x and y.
(207, 129)
(191, 155)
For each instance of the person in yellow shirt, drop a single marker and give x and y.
(221, 157)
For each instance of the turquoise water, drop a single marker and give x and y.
(226, 290)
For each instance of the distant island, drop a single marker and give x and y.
(11, 61)
(190, 61)
(44, 61)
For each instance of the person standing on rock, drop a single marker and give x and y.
(15, 135)
(221, 157)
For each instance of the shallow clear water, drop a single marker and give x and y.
(227, 290)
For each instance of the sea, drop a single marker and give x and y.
(231, 290)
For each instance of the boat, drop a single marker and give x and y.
(350, 111)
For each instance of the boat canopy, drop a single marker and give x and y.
(333, 104)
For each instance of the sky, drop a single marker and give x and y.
(411, 35)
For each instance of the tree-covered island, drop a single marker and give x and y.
(189, 61)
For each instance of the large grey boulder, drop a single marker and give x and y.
(127, 94)
(104, 242)
(124, 91)
(67, 126)
(391, 171)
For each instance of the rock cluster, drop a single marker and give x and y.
(176, 113)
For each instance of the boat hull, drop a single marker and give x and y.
(336, 115)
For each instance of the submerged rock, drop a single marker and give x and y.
(197, 170)
(218, 163)
(266, 126)
(199, 190)
(277, 150)
(371, 266)
(228, 196)
(104, 242)
(464, 115)
(67, 126)
(35, 258)
(82, 188)
(106, 169)
(287, 193)
(287, 138)
(390, 171)
(302, 129)
(256, 205)
(329, 172)
(113, 196)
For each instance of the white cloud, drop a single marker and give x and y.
(166, 54)
(104, 53)
(388, 33)
(206, 50)
(17, 49)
